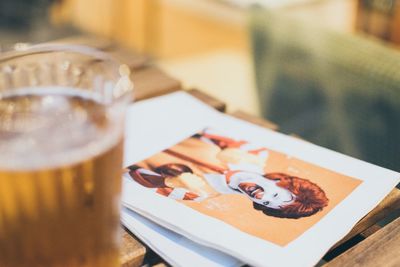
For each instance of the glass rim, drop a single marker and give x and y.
(121, 70)
(57, 47)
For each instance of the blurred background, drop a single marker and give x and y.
(327, 70)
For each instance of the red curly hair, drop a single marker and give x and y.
(309, 197)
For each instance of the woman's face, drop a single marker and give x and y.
(264, 191)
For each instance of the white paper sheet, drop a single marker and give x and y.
(176, 249)
(159, 123)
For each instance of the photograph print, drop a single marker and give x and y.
(264, 193)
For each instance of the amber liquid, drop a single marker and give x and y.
(60, 168)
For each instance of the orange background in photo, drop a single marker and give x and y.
(237, 210)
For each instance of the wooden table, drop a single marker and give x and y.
(368, 243)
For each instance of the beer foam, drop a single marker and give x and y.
(47, 127)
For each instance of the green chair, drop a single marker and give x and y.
(337, 90)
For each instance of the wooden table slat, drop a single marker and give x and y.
(209, 100)
(255, 120)
(371, 230)
(380, 249)
(133, 60)
(152, 81)
(388, 205)
(132, 251)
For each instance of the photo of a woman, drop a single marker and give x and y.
(244, 184)
(275, 194)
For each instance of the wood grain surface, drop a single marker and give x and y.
(389, 205)
(209, 100)
(132, 59)
(380, 249)
(150, 81)
(132, 252)
(255, 120)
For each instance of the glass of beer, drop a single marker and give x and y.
(61, 140)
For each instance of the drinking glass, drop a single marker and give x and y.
(61, 140)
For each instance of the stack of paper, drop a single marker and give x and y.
(205, 189)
